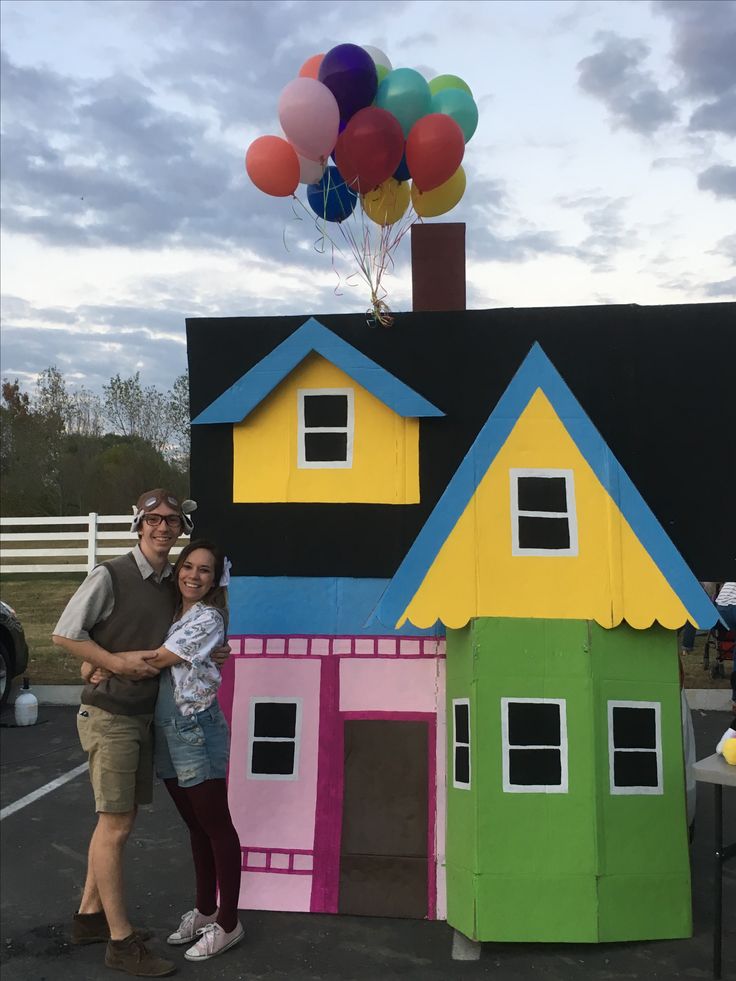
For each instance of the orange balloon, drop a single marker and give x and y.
(310, 68)
(273, 166)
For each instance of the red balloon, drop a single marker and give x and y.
(369, 149)
(310, 68)
(434, 150)
(273, 166)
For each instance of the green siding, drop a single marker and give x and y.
(510, 856)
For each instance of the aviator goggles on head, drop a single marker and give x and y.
(152, 499)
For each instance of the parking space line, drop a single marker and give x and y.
(42, 791)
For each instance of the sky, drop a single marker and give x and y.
(602, 171)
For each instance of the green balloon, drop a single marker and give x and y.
(458, 105)
(405, 94)
(443, 82)
(382, 72)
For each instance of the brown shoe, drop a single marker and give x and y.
(92, 928)
(132, 956)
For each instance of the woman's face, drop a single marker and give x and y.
(196, 576)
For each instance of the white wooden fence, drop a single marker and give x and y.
(39, 539)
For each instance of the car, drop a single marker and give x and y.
(13, 650)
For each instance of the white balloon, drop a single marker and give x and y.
(310, 171)
(378, 56)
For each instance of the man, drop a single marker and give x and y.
(124, 605)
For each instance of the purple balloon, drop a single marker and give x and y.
(349, 73)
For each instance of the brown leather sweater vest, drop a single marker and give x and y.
(140, 620)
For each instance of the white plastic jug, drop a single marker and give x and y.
(26, 706)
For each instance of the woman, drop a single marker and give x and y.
(191, 748)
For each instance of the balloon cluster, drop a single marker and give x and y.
(396, 141)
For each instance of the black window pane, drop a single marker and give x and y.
(534, 724)
(462, 729)
(635, 769)
(548, 533)
(275, 719)
(542, 494)
(462, 764)
(273, 757)
(535, 767)
(325, 410)
(634, 728)
(326, 447)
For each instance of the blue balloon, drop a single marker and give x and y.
(405, 93)
(402, 171)
(332, 199)
(458, 105)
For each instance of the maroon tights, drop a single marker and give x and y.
(215, 847)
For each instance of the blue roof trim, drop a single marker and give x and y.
(242, 397)
(537, 371)
(322, 606)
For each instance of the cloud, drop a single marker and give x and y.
(615, 75)
(726, 288)
(704, 42)
(727, 247)
(720, 179)
(716, 116)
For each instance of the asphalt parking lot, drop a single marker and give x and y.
(43, 859)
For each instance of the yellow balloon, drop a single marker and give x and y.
(387, 202)
(430, 204)
(729, 751)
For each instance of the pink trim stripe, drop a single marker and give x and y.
(320, 646)
(249, 853)
(328, 828)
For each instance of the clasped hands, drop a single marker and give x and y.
(136, 665)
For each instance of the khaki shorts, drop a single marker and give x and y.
(120, 749)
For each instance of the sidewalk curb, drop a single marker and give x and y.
(705, 699)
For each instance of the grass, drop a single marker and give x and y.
(39, 599)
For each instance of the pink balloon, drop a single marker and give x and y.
(310, 117)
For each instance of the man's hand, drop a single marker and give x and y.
(221, 655)
(135, 665)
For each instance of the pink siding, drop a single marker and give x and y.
(382, 685)
(275, 813)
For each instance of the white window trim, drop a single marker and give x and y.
(460, 784)
(260, 700)
(349, 429)
(516, 788)
(627, 791)
(570, 513)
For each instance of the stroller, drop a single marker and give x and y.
(719, 644)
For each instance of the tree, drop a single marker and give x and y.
(29, 455)
(135, 411)
(180, 426)
(54, 458)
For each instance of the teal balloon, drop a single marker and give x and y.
(458, 105)
(405, 94)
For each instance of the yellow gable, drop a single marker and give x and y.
(476, 573)
(382, 458)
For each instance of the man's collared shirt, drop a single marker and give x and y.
(94, 601)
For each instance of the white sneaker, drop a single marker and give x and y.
(191, 924)
(213, 941)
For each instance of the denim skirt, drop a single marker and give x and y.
(190, 748)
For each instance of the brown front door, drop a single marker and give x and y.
(384, 865)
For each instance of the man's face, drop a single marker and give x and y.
(158, 539)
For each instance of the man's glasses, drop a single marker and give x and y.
(172, 520)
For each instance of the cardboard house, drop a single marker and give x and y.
(454, 690)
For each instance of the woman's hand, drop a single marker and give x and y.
(92, 675)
